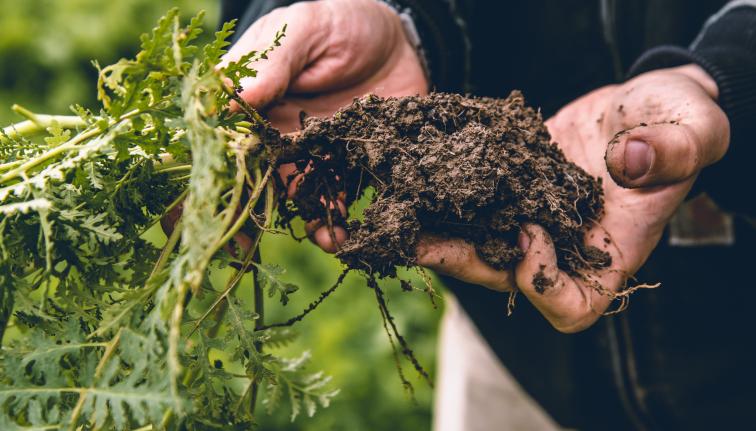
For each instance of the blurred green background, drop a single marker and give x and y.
(46, 48)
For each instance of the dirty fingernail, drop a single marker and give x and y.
(523, 241)
(638, 158)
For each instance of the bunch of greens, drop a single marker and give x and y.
(119, 333)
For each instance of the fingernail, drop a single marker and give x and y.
(638, 158)
(523, 241)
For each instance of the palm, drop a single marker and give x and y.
(670, 106)
(634, 218)
(674, 113)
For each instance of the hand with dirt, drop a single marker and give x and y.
(334, 51)
(662, 127)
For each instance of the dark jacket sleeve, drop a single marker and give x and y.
(444, 40)
(726, 49)
(246, 12)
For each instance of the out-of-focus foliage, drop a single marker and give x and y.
(47, 46)
(45, 51)
(346, 339)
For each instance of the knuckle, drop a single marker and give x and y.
(722, 138)
(690, 153)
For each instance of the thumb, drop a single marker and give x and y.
(665, 153)
(306, 28)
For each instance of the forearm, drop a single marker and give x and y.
(726, 50)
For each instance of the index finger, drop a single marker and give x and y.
(457, 258)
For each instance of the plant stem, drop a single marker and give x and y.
(38, 123)
(310, 308)
(174, 342)
(62, 148)
(175, 168)
(227, 291)
(259, 322)
(270, 207)
(244, 216)
(109, 350)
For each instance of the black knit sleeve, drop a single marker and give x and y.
(444, 40)
(726, 49)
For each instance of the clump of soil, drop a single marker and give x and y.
(472, 168)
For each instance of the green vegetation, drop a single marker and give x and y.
(91, 259)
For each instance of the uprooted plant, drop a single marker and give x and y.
(118, 331)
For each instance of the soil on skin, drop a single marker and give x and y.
(472, 168)
(541, 283)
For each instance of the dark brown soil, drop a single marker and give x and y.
(541, 283)
(473, 168)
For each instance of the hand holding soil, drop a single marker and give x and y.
(663, 127)
(666, 123)
(335, 50)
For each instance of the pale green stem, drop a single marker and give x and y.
(109, 350)
(176, 168)
(234, 229)
(174, 339)
(237, 193)
(38, 123)
(62, 148)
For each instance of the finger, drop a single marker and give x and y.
(318, 232)
(667, 153)
(169, 220)
(562, 301)
(457, 258)
(291, 178)
(322, 238)
(306, 30)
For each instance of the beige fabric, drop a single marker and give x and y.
(474, 391)
(699, 222)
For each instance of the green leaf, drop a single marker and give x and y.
(269, 277)
(58, 135)
(241, 68)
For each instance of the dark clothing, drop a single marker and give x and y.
(682, 356)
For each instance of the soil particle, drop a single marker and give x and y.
(454, 166)
(405, 285)
(541, 282)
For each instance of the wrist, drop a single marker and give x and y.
(410, 33)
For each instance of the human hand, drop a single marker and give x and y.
(663, 127)
(334, 51)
